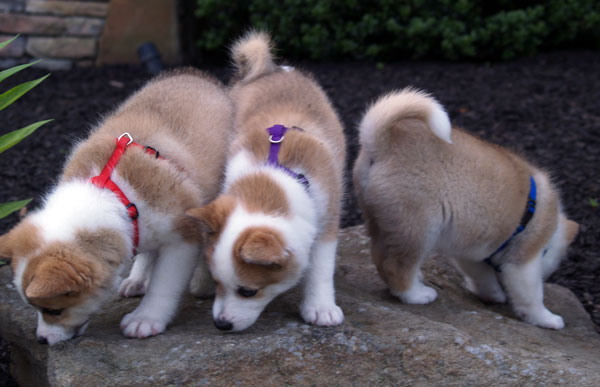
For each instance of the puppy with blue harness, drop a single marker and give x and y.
(427, 189)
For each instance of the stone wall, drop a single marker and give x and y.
(64, 33)
(82, 32)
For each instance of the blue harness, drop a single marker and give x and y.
(529, 211)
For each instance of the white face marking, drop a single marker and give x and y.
(243, 312)
(52, 333)
(76, 317)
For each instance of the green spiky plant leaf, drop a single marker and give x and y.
(12, 138)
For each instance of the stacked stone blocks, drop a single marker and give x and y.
(62, 32)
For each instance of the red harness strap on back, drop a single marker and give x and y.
(103, 180)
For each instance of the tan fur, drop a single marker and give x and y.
(421, 196)
(260, 258)
(21, 241)
(259, 193)
(180, 114)
(251, 56)
(60, 268)
(184, 105)
(214, 215)
(293, 99)
(572, 231)
(175, 103)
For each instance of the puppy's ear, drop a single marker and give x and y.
(23, 239)
(5, 247)
(571, 230)
(56, 277)
(213, 216)
(263, 247)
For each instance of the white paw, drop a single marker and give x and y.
(132, 287)
(545, 319)
(418, 294)
(141, 326)
(326, 315)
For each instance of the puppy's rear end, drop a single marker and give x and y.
(396, 250)
(422, 196)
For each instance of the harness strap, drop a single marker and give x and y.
(103, 180)
(276, 136)
(529, 211)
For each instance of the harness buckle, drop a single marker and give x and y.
(152, 150)
(126, 134)
(275, 141)
(134, 216)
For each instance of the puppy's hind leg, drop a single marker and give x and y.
(401, 267)
(137, 281)
(524, 285)
(481, 280)
(170, 277)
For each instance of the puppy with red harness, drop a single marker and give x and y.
(118, 197)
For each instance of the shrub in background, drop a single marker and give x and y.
(10, 139)
(392, 29)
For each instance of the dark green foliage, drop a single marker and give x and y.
(392, 29)
(12, 138)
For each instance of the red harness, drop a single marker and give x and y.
(103, 180)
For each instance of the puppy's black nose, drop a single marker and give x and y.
(223, 325)
(42, 340)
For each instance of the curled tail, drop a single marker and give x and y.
(387, 111)
(252, 56)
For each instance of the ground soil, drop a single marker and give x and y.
(546, 107)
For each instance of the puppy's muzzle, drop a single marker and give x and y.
(223, 325)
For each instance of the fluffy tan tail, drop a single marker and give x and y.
(388, 110)
(252, 56)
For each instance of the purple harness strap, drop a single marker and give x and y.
(276, 136)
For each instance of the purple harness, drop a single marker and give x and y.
(276, 136)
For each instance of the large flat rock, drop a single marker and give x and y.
(457, 340)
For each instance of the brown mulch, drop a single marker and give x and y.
(546, 107)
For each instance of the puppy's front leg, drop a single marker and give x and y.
(318, 306)
(525, 288)
(139, 277)
(202, 285)
(170, 276)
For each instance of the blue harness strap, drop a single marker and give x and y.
(529, 211)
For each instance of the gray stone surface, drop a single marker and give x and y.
(457, 340)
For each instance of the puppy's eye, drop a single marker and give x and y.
(52, 312)
(245, 292)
